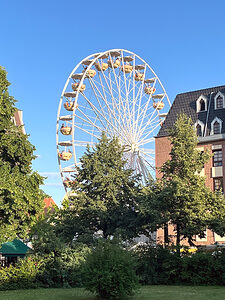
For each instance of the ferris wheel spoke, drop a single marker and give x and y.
(113, 102)
(98, 114)
(153, 122)
(144, 154)
(110, 112)
(139, 96)
(86, 131)
(127, 108)
(144, 138)
(94, 88)
(89, 122)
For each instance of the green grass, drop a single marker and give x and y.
(145, 293)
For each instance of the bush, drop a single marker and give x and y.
(63, 269)
(109, 271)
(22, 275)
(157, 265)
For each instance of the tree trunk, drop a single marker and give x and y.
(166, 237)
(178, 240)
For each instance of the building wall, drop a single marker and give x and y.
(162, 150)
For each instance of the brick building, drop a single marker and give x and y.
(207, 110)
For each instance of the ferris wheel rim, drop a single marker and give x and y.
(95, 58)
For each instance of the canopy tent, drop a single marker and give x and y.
(14, 248)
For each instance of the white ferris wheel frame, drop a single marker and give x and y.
(95, 57)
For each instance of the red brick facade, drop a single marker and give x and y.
(162, 150)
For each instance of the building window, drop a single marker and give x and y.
(217, 158)
(218, 183)
(201, 103)
(199, 130)
(216, 126)
(219, 102)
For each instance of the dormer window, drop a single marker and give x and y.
(199, 126)
(216, 126)
(199, 130)
(219, 101)
(201, 104)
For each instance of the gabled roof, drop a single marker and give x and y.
(50, 205)
(186, 103)
(16, 247)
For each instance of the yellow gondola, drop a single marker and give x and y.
(139, 76)
(66, 130)
(158, 105)
(149, 90)
(114, 64)
(75, 87)
(64, 155)
(127, 68)
(102, 66)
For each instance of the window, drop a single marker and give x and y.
(201, 103)
(218, 183)
(199, 130)
(219, 102)
(216, 126)
(217, 158)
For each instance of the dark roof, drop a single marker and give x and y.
(186, 103)
(15, 247)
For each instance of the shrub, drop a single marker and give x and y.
(63, 269)
(157, 265)
(109, 271)
(22, 275)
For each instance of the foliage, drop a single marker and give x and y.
(106, 195)
(158, 265)
(109, 271)
(181, 196)
(20, 197)
(63, 269)
(22, 275)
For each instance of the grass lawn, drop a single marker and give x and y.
(145, 293)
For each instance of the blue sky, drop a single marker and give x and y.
(42, 41)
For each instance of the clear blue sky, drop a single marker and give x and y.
(42, 41)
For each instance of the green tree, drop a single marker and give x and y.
(20, 197)
(181, 196)
(105, 194)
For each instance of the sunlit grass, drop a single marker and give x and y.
(145, 293)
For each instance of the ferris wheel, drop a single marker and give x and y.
(115, 92)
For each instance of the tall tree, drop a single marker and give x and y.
(20, 197)
(181, 196)
(105, 194)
